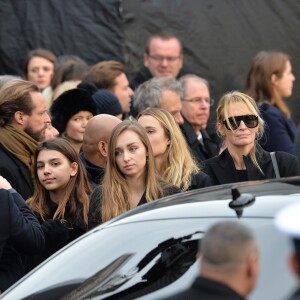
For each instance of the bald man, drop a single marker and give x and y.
(94, 146)
(229, 264)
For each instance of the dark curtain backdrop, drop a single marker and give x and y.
(219, 37)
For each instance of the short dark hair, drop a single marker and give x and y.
(164, 36)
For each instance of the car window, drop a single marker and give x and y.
(143, 260)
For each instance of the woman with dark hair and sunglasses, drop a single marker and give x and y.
(243, 159)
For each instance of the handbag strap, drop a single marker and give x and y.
(275, 164)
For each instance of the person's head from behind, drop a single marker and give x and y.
(169, 147)
(196, 101)
(95, 138)
(58, 170)
(161, 92)
(39, 67)
(24, 107)
(270, 78)
(107, 103)
(229, 254)
(111, 75)
(238, 121)
(71, 112)
(163, 56)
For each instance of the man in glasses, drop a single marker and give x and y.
(196, 103)
(163, 58)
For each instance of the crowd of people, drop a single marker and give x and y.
(81, 145)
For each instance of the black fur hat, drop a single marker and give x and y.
(68, 104)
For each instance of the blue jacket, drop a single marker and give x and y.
(279, 132)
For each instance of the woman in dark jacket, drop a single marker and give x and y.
(240, 126)
(269, 81)
(61, 199)
(130, 176)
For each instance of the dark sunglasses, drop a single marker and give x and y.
(251, 121)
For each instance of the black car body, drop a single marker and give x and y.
(150, 252)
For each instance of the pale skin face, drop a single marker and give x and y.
(123, 92)
(76, 126)
(40, 71)
(172, 103)
(164, 58)
(131, 155)
(197, 114)
(54, 170)
(36, 123)
(243, 137)
(156, 134)
(284, 84)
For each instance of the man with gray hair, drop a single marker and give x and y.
(229, 264)
(196, 104)
(160, 92)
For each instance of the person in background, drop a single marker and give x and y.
(269, 81)
(240, 125)
(19, 230)
(61, 199)
(287, 221)
(130, 173)
(173, 159)
(95, 146)
(110, 75)
(107, 103)
(229, 264)
(70, 114)
(196, 103)
(163, 57)
(23, 122)
(39, 69)
(163, 93)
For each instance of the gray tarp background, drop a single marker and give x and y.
(220, 37)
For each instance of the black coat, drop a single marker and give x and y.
(21, 232)
(206, 289)
(221, 168)
(296, 295)
(200, 152)
(16, 173)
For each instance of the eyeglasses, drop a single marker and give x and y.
(159, 58)
(197, 101)
(233, 123)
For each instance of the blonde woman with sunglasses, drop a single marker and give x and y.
(240, 126)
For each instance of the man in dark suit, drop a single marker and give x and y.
(229, 264)
(195, 110)
(19, 230)
(23, 123)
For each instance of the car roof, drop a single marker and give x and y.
(269, 196)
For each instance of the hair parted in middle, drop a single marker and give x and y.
(77, 193)
(179, 164)
(114, 180)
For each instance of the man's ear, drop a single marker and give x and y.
(19, 117)
(102, 146)
(293, 263)
(74, 169)
(146, 57)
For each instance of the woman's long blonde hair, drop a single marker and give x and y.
(115, 190)
(222, 114)
(77, 192)
(179, 164)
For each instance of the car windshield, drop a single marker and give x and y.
(137, 259)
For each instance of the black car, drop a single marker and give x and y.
(150, 252)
